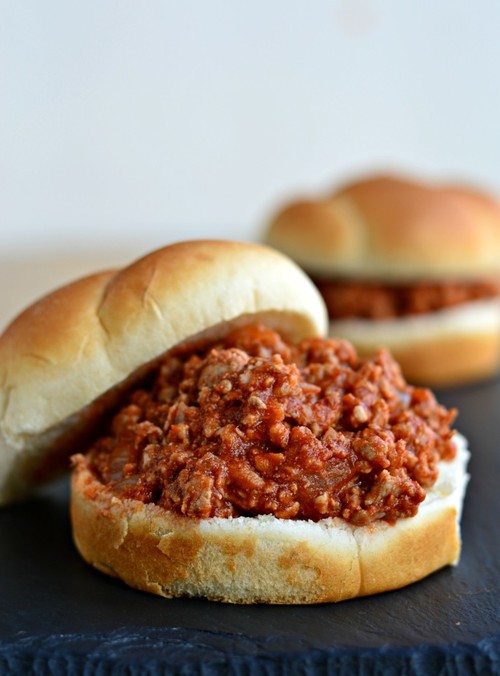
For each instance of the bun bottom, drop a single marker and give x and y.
(264, 559)
(446, 348)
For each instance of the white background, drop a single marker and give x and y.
(125, 125)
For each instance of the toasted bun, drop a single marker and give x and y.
(264, 559)
(388, 228)
(86, 341)
(446, 348)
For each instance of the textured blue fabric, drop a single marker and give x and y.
(156, 651)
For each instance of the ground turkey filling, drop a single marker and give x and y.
(348, 299)
(254, 425)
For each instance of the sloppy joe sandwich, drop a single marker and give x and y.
(411, 266)
(222, 446)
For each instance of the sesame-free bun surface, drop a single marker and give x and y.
(392, 228)
(83, 342)
(264, 559)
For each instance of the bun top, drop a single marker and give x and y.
(390, 228)
(90, 337)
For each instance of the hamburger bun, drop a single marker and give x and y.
(264, 559)
(69, 359)
(393, 231)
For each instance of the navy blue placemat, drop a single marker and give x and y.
(157, 651)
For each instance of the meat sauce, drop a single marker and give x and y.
(347, 299)
(255, 425)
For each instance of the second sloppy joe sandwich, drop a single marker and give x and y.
(408, 265)
(222, 447)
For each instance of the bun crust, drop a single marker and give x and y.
(265, 559)
(91, 337)
(388, 228)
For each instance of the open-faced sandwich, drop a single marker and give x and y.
(221, 446)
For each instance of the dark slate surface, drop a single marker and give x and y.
(59, 616)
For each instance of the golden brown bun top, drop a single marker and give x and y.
(86, 338)
(392, 228)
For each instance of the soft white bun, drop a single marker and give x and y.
(393, 229)
(445, 348)
(65, 358)
(264, 559)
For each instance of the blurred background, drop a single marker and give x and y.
(126, 125)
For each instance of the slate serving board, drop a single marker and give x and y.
(58, 616)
